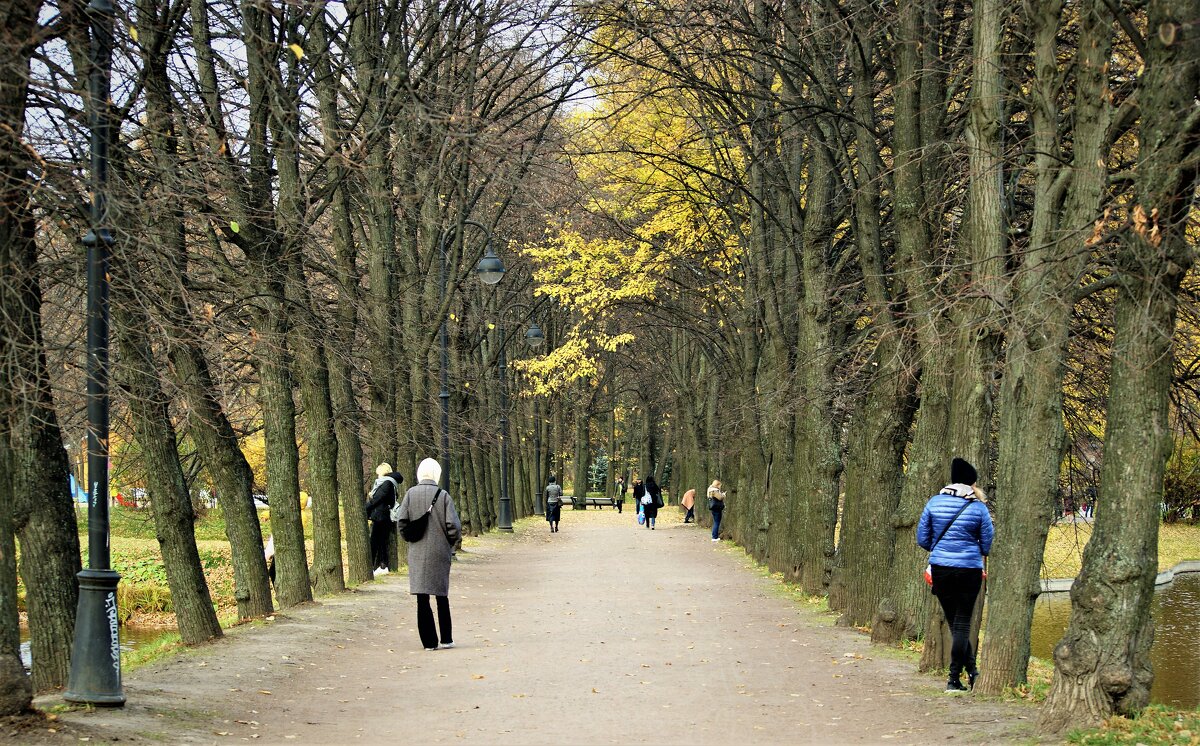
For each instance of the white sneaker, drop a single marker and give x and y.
(716, 539)
(445, 645)
(381, 571)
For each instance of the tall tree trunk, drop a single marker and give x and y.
(16, 238)
(346, 412)
(1030, 426)
(149, 406)
(1102, 663)
(976, 327)
(267, 263)
(42, 511)
(170, 501)
(16, 691)
(306, 338)
(209, 426)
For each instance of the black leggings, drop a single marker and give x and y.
(956, 589)
(429, 636)
(381, 537)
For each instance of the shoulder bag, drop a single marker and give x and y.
(415, 529)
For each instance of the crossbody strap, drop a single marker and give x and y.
(948, 525)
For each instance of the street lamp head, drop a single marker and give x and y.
(534, 336)
(490, 269)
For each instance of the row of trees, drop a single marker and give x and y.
(855, 239)
(814, 250)
(286, 183)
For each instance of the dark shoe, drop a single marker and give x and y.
(971, 676)
(954, 686)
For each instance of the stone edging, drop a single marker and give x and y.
(1060, 585)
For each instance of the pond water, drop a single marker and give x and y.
(131, 638)
(1176, 651)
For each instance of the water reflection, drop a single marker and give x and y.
(131, 638)
(1176, 651)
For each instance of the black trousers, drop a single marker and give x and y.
(956, 589)
(381, 536)
(429, 636)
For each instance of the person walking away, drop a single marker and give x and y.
(639, 491)
(689, 504)
(716, 506)
(620, 499)
(429, 557)
(956, 529)
(384, 493)
(652, 500)
(554, 501)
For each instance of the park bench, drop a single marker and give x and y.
(581, 503)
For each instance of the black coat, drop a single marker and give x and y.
(379, 507)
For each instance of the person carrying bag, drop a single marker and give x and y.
(956, 560)
(431, 553)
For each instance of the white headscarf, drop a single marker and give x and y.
(429, 471)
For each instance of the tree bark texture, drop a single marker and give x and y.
(170, 501)
(1030, 428)
(1102, 663)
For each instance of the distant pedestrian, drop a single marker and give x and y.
(689, 504)
(639, 491)
(956, 529)
(620, 491)
(554, 501)
(716, 506)
(652, 500)
(384, 494)
(269, 556)
(429, 557)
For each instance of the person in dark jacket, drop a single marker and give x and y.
(652, 500)
(956, 529)
(554, 501)
(379, 510)
(639, 490)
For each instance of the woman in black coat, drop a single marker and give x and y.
(379, 510)
(651, 506)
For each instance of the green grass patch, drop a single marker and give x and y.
(1154, 725)
(1064, 547)
(169, 644)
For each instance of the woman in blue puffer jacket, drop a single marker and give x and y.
(956, 529)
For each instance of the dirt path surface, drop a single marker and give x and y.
(604, 633)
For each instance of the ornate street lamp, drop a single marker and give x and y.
(492, 275)
(490, 269)
(95, 677)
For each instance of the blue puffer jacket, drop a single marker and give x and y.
(967, 541)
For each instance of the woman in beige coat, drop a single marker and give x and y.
(429, 557)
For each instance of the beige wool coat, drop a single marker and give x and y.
(429, 559)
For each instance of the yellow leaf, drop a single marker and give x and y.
(297, 50)
(233, 226)
(133, 33)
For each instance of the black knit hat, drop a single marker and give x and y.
(962, 472)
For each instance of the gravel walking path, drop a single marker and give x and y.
(603, 633)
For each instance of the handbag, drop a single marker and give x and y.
(929, 568)
(641, 516)
(414, 530)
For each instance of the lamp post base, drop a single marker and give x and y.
(96, 652)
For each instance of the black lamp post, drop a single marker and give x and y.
(95, 677)
(444, 394)
(491, 271)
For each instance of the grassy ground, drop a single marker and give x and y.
(1064, 547)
